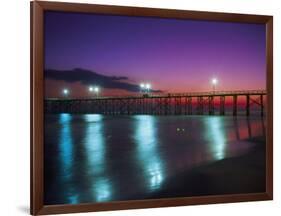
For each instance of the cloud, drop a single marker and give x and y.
(87, 77)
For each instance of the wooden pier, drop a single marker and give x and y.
(195, 103)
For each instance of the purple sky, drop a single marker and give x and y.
(174, 55)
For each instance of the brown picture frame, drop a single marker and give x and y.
(37, 102)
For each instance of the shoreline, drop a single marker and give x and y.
(234, 175)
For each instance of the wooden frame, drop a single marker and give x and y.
(37, 62)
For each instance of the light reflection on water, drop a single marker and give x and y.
(66, 144)
(93, 158)
(216, 136)
(147, 151)
(102, 190)
(95, 152)
(94, 144)
(66, 155)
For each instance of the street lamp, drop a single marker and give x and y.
(91, 89)
(65, 92)
(142, 86)
(147, 86)
(214, 83)
(96, 90)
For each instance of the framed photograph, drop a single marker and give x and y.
(141, 107)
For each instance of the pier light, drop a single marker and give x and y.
(147, 86)
(214, 83)
(65, 91)
(96, 89)
(91, 89)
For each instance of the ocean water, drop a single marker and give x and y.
(99, 158)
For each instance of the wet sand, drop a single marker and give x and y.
(242, 174)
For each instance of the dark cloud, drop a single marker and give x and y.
(88, 77)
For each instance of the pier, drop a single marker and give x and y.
(193, 103)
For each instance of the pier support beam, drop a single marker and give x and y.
(222, 105)
(247, 105)
(200, 105)
(261, 99)
(166, 106)
(178, 105)
(211, 105)
(185, 105)
(234, 105)
(189, 106)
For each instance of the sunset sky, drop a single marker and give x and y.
(117, 53)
